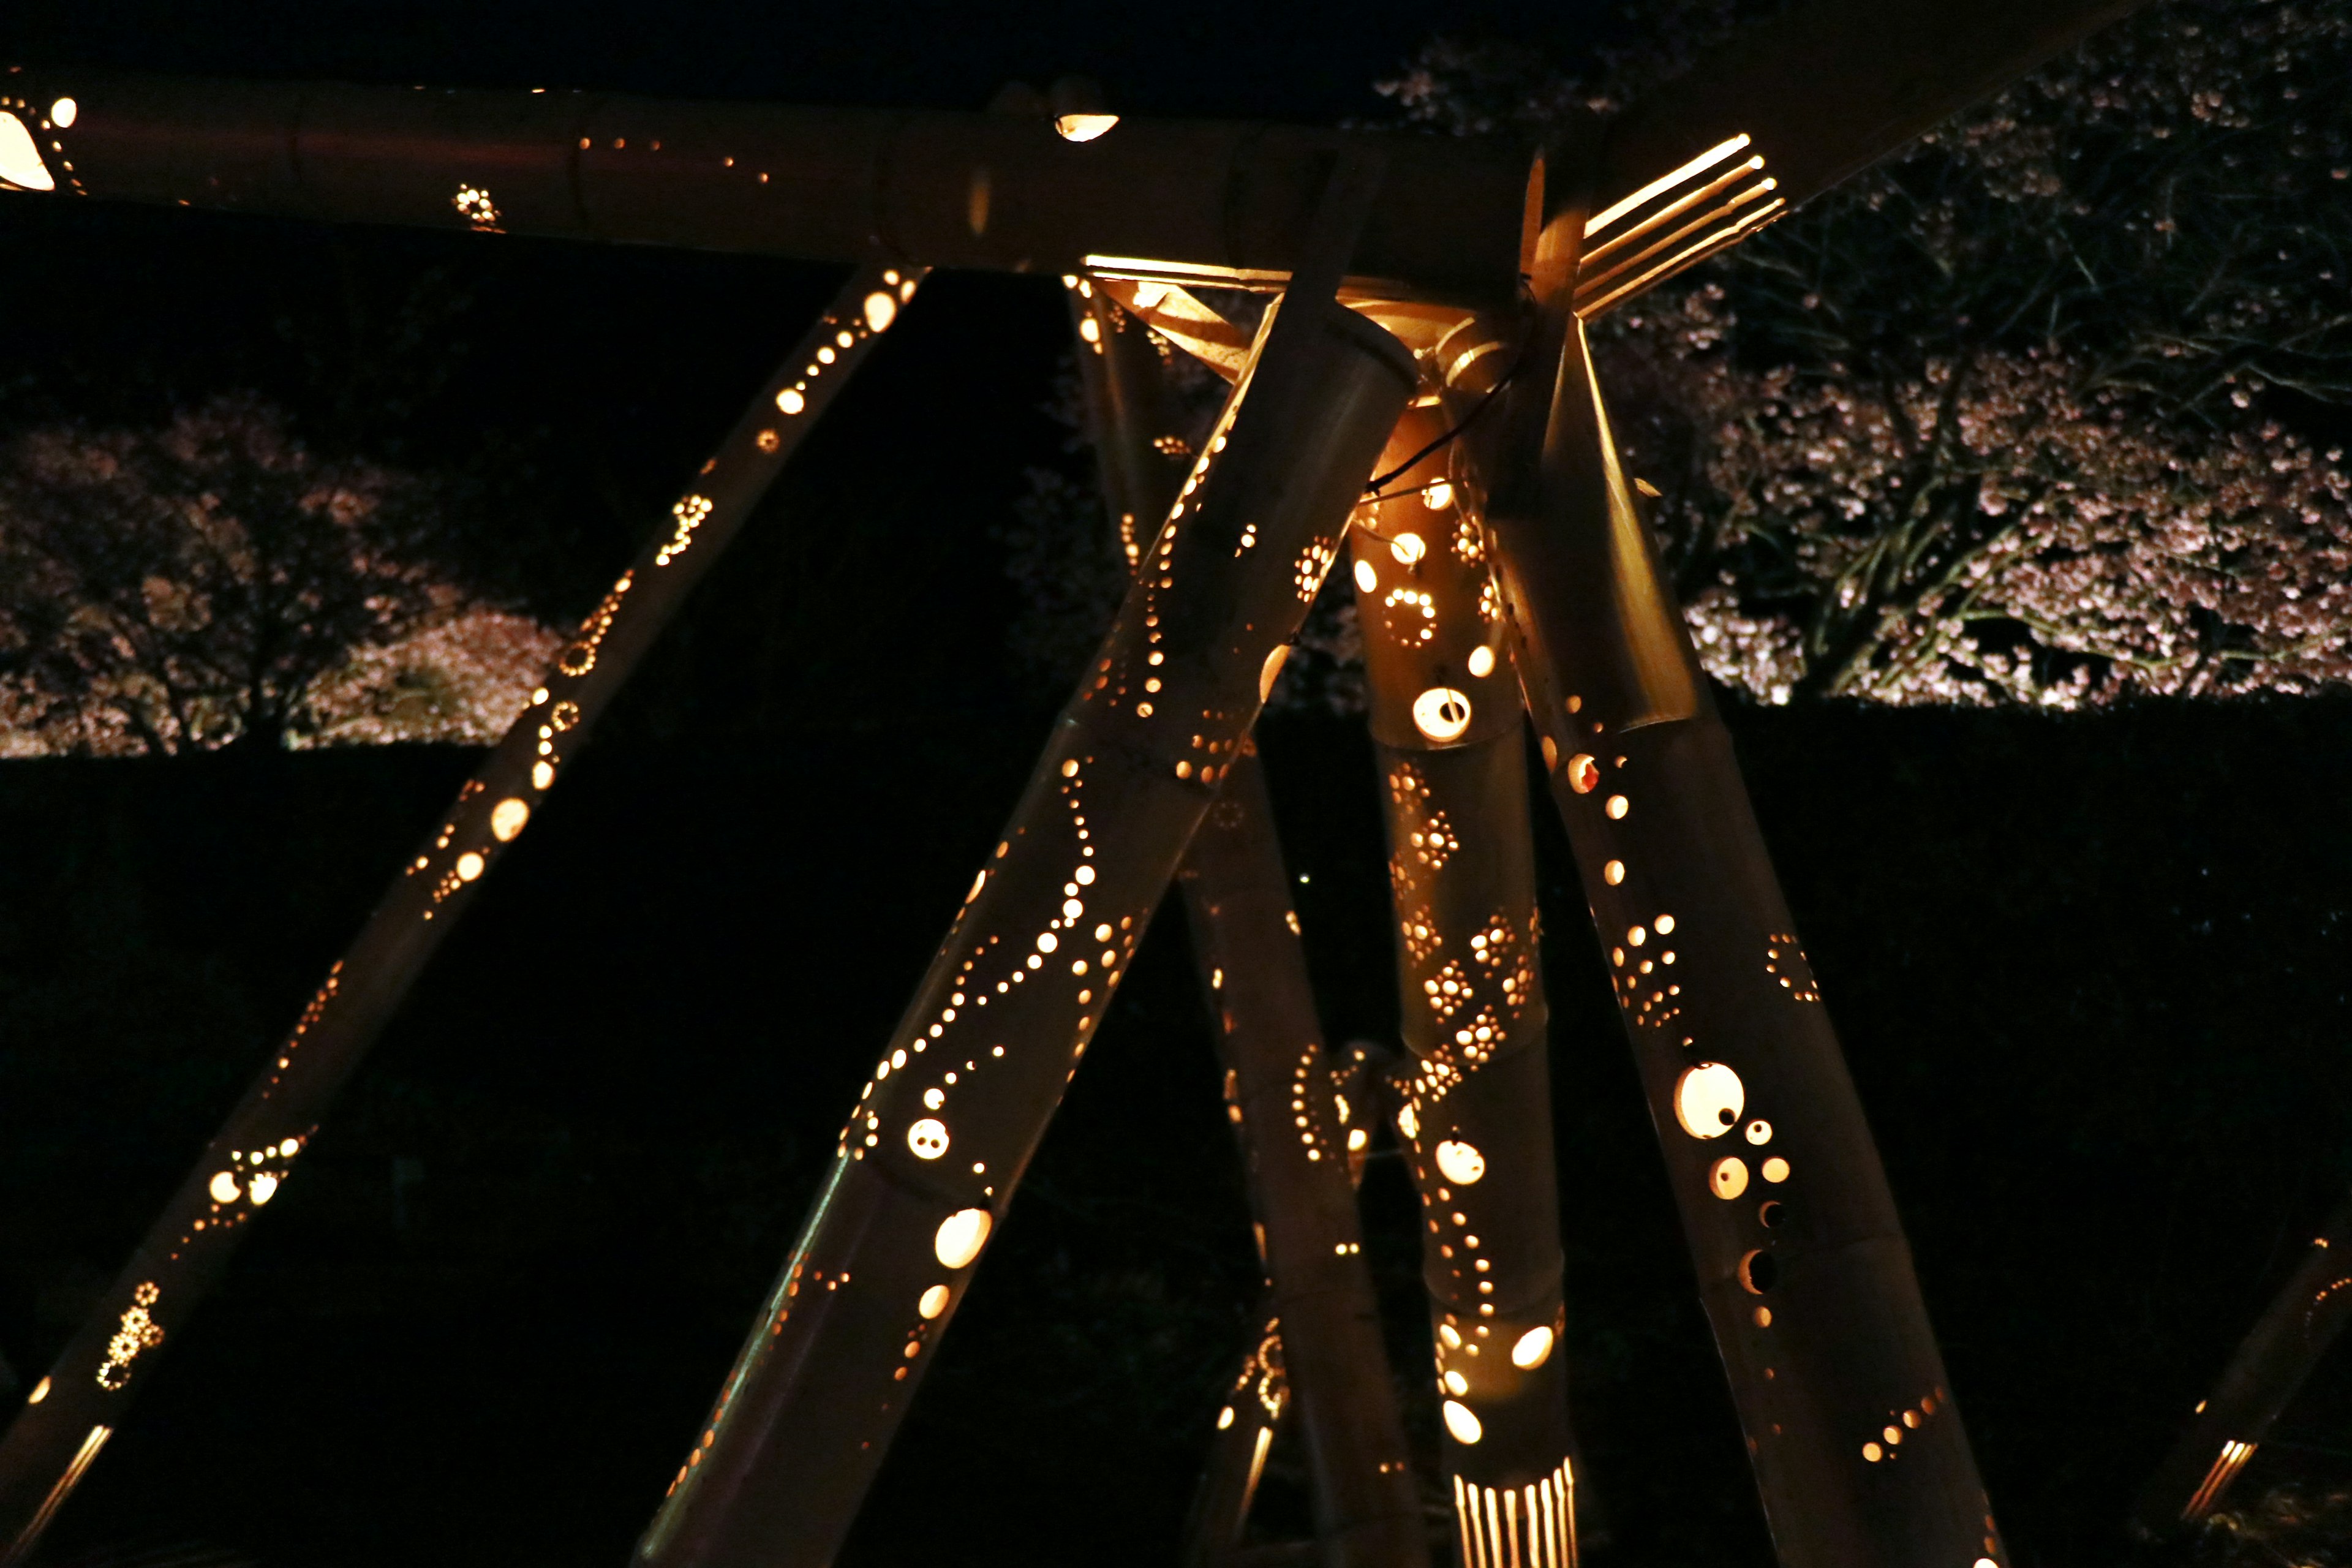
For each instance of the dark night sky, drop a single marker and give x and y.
(1295, 62)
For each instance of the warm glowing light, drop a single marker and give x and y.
(1439, 496)
(261, 1188)
(1268, 673)
(469, 866)
(1617, 807)
(1533, 1348)
(1441, 713)
(542, 774)
(286, 1150)
(1367, 580)
(1456, 1384)
(1407, 548)
(40, 1392)
(21, 168)
(63, 113)
(223, 1187)
(1083, 127)
(1708, 1099)
(1482, 661)
(1760, 1132)
(960, 1237)
(1583, 773)
(1699, 164)
(1461, 1163)
(1613, 872)
(927, 1138)
(1729, 1176)
(1776, 1169)
(507, 818)
(1462, 1423)
(881, 310)
(790, 401)
(1225, 1417)
(1357, 1139)
(934, 1301)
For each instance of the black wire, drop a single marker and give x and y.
(1372, 491)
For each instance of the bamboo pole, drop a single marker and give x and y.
(1277, 1084)
(73, 1411)
(1475, 1116)
(2305, 1316)
(970, 1078)
(1199, 200)
(1857, 1446)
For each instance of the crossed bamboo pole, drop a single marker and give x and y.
(76, 1408)
(1319, 1340)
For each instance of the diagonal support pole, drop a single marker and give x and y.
(73, 1411)
(2302, 1321)
(1321, 1332)
(1857, 1446)
(1476, 1116)
(971, 1077)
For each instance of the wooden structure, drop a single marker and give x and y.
(1428, 334)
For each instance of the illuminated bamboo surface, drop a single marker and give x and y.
(998, 191)
(73, 1411)
(1857, 1447)
(1320, 1334)
(1475, 1118)
(1279, 1081)
(2230, 1423)
(968, 1079)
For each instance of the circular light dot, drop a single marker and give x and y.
(1462, 1423)
(1583, 773)
(1438, 496)
(1441, 713)
(1482, 661)
(224, 1187)
(1451, 1336)
(927, 1138)
(1618, 806)
(881, 310)
(469, 866)
(1533, 1348)
(1460, 1163)
(1729, 1176)
(960, 1237)
(1707, 1100)
(1873, 1452)
(1893, 1435)
(1367, 580)
(1225, 1417)
(1613, 872)
(1758, 1132)
(1407, 548)
(1762, 1317)
(261, 1188)
(541, 775)
(1911, 1419)
(506, 819)
(934, 1301)
(1456, 1384)
(1776, 1169)
(790, 401)
(1666, 924)
(63, 113)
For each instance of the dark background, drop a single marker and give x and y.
(2089, 970)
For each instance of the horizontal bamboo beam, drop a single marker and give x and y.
(1210, 200)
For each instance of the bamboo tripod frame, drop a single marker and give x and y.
(1410, 271)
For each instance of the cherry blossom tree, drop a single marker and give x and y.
(213, 582)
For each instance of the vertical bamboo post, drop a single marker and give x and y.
(1858, 1450)
(73, 1411)
(2305, 1316)
(1322, 1319)
(1475, 1116)
(970, 1078)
